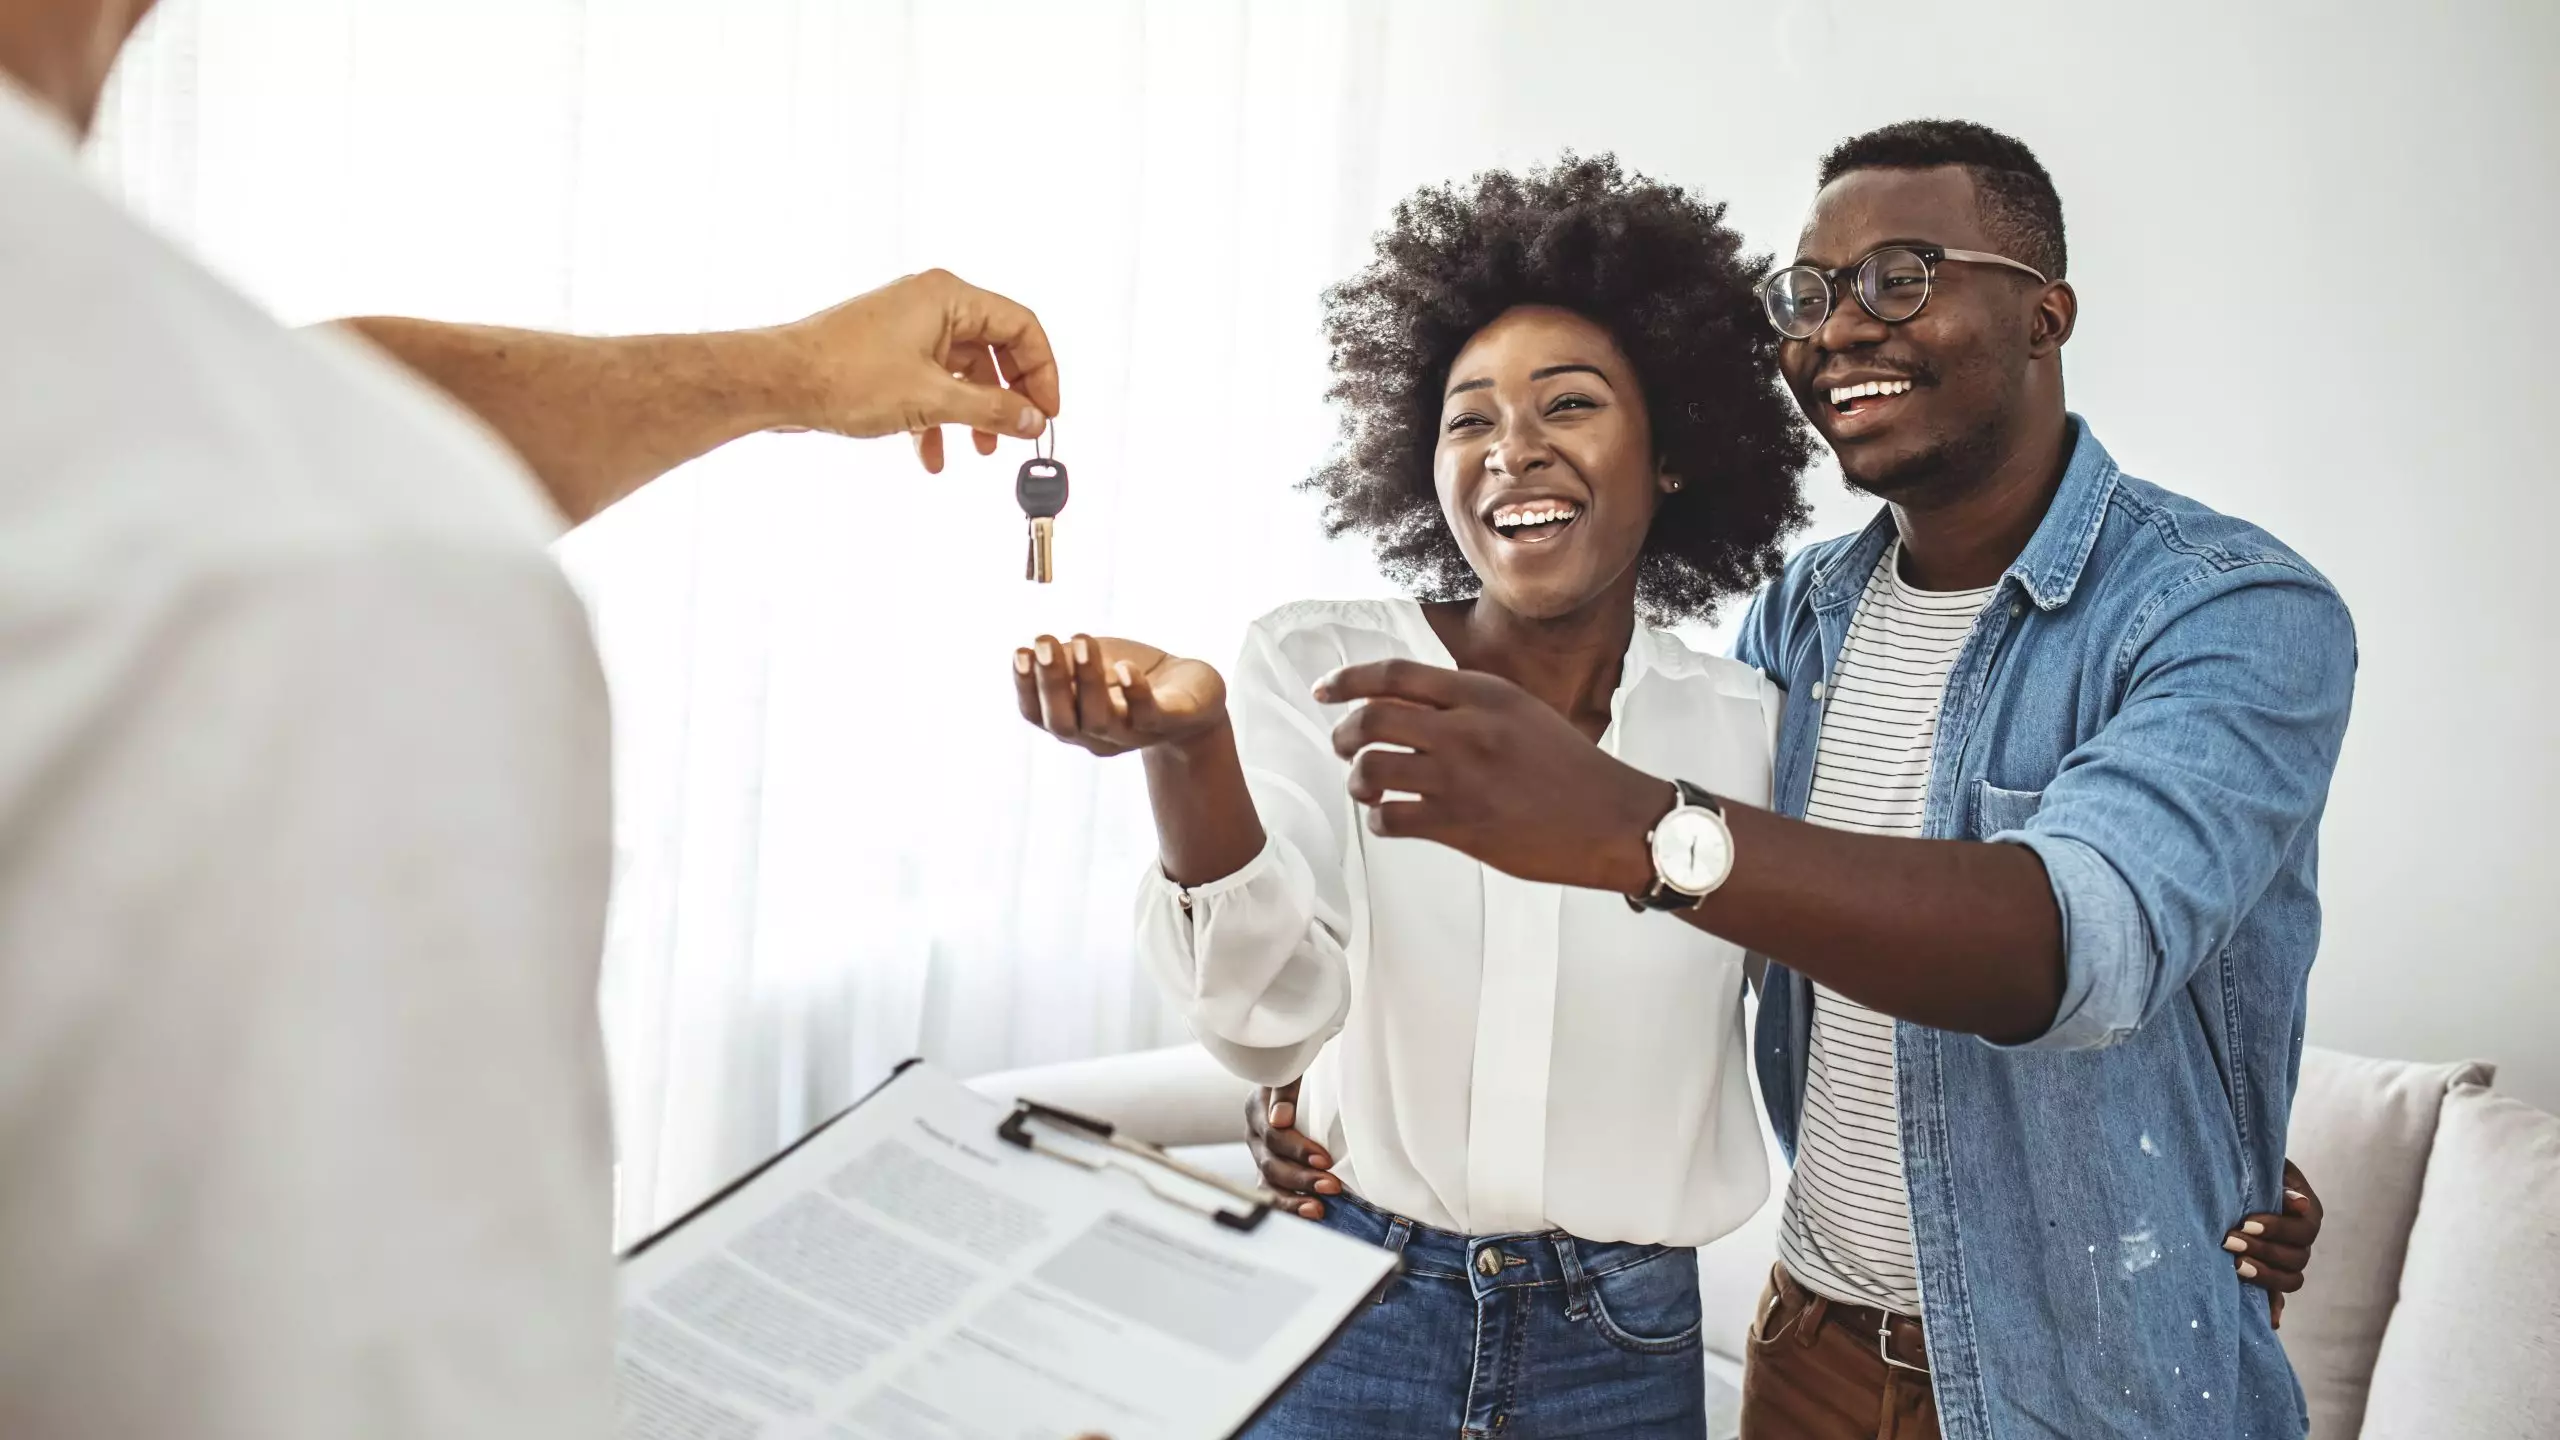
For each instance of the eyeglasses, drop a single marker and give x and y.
(1893, 283)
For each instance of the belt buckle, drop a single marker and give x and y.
(1884, 1344)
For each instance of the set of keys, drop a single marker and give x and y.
(1040, 487)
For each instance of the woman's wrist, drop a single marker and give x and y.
(1211, 745)
(1206, 828)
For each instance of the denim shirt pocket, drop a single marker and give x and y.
(1996, 810)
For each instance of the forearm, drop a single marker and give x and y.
(597, 418)
(1255, 969)
(1958, 935)
(1206, 824)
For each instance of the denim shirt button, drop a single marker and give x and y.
(1489, 1261)
(2017, 608)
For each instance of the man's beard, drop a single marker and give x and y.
(1941, 472)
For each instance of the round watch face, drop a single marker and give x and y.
(1691, 851)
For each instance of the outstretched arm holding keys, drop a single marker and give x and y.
(597, 417)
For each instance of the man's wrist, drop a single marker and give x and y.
(769, 378)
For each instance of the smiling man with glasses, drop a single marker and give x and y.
(2039, 886)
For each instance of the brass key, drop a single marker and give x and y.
(1041, 489)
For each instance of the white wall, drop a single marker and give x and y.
(2302, 236)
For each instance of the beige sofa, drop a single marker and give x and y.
(2433, 1308)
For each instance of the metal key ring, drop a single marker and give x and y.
(1048, 436)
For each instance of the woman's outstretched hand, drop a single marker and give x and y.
(1114, 696)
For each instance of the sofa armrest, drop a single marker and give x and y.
(1174, 1096)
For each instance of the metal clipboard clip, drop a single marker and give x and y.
(1138, 1158)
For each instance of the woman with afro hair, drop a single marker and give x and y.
(1563, 429)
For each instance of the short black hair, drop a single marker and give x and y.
(1650, 263)
(2020, 207)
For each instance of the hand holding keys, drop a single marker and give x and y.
(1040, 487)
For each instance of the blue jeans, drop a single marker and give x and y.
(1567, 1337)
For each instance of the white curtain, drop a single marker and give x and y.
(838, 844)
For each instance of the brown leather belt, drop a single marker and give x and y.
(1898, 1338)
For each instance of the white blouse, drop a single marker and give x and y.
(1481, 1054)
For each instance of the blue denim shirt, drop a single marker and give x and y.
(2152, 702)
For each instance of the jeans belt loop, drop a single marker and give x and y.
(1577, 1286)
(1817, 1308)
(1399, 1234)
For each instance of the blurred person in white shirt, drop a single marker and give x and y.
(304, 813)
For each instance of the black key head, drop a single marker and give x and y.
(1041, 488)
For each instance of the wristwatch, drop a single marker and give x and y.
(1692, 852)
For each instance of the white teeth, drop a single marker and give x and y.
(1842, 394)
(1514, 516)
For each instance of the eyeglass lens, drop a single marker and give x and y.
(1894, 284)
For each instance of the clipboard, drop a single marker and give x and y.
(713, 1201)
(1182, 1330)
(1253, 1203)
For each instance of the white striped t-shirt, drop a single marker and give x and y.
(1847, 1231)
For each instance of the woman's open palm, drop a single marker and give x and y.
(1113, 696)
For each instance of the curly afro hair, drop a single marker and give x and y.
(1653, 265)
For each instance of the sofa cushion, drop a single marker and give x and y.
(2474, 1349)
(2362, 1130)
